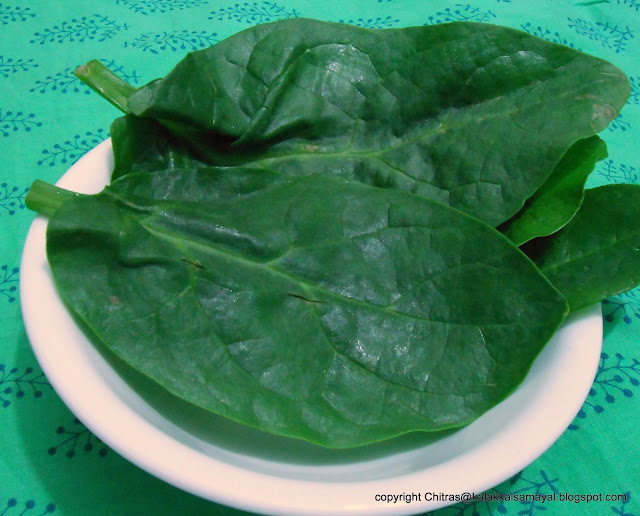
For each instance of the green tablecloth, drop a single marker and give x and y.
(49, 462)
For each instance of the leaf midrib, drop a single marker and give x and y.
(308, 286)
(171, 238)
(418, 136)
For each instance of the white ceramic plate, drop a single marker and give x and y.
(244, 468)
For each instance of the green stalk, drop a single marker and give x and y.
(46, 199)
(103, 81)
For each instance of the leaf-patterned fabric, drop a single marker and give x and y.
(50, 463)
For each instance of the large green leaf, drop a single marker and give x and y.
(310, 307)
(473, 115)
(144, 145)
(597, 254)
(560, 197)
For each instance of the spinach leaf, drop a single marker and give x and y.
(144, 145)
(473, 115)
(310, 307)
(560, 197)
(597, 254)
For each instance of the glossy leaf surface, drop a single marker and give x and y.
(597, 254)
(473, 115)
(560, 197)
(144, 145)
(309, 307)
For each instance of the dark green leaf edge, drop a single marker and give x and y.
(597, 254)
(560, 196)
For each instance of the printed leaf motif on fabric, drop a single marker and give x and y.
(159, 6)
(540, 484)
(625, 306)
(373, 23)
(179, 40)
(621, 510)
(461, 12)
(14, 13)
(77, 437)
(545, 33)
(610, 36)
(70, 151)
(618, 173)
(9, 66)
(9, 283)
(617, 377)
(16, 383)
(11, 198)
(632, 4)
(14, 121)
(619, 124)
(253, 13)
(96, 27)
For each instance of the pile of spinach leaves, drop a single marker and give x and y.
(344, 234)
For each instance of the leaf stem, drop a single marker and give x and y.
(46, 199)
(103, 81)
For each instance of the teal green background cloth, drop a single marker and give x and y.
(50, 463)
